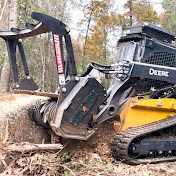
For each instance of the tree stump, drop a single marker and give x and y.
(14, 120)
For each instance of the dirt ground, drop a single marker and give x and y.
(83, 158)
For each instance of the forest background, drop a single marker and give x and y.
(97, 32)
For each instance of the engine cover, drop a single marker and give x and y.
(149, 44)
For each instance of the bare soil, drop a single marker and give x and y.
(83, 158)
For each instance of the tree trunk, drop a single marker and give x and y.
(3, 9)
(5, 73)
(85, 43)
(16, 126)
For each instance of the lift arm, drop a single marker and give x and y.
(127, 75)
(45, 24)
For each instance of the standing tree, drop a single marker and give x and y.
(5, 73)
(39, 52)
(140, 11)
(168, 18)
(101, 19)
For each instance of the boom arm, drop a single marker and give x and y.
(46, 24)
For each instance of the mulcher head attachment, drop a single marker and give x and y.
(72, 115)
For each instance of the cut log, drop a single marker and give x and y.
(14, 119)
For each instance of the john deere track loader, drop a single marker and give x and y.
(140, 99)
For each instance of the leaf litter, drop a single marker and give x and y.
(80, 158)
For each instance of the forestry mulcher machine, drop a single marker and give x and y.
(141, 97)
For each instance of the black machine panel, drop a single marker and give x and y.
(159, 54)
(87, 100)
(83, 102)
(151, 31)
(152, 46)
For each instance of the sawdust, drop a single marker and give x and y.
(93, 158)
(13, 103)
(13, 114)
(85, 158)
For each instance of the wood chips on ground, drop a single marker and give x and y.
(83, 158)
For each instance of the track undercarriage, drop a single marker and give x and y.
(150, 143)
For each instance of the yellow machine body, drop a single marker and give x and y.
(143, 111)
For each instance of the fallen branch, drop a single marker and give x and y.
(23, 148)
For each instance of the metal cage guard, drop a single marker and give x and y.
(59, 31)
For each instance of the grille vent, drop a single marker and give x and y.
(163, 58)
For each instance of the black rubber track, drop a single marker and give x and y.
(121, 143)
